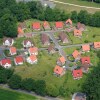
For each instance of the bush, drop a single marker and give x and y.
(86, 41)
(52, 90)
(63, 91)
(5, 74)
(15, 82)
(28, 84)
(40, 87)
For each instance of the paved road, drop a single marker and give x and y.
(61, 52)
(75, 45)
(51, 31)
(75, 5)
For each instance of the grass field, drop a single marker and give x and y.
(44, 70)
(92, 54)
(12, 95)
(86, 36)
(69, 8)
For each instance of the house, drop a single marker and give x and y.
(85, 67)
(68, 22)
(36, 26)
(59, 25)
(8, 42)
(61, 61)
(33, 51)
(51, 49)
(97, 45)
(18, 60)
(6, 63)
(77, 73)
(46, 25)
(85, 60)
(63, 37)
(20, 32)
(80, 26)
(86, 48)
(79, 96)
(27, 43)
(13, 50)
(76, 54)
(77, 33)
(32, 59)
(59, 71)
(45, 39)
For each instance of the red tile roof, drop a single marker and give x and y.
(77, 73)
(85, 60)
(77, 32)
(46, 24)
(20, 31)
(75, 54)
(36, 25)
(33, 58)
(96, 45)
(58, 70)
(69, 21)
(6, 60)
(62, 59)
(33, 50)
(19, 59)
(86, 47)
(13, 50)
(59, 24)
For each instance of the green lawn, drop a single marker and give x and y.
(93, 57)
(70, 50)
(69, 8)
(12, 95)
(86, 36)
(82, 3)
(44, 70)
(92, 54)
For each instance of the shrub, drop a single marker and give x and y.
(28, 84)
(52, 90)
(40, 87)
(15, 82)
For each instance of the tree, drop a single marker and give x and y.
(92, 85)
(21, 11)
(9, 73)
(40, 87)
(52, 90)
(95, 19)
(15, 82)
(49, 16)
(83, 17)
(36, 9)
(63, 91)
(8, 26)
(5, 74)
(28, 84)
(3, 77)
(64, 16)
(74, 16)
